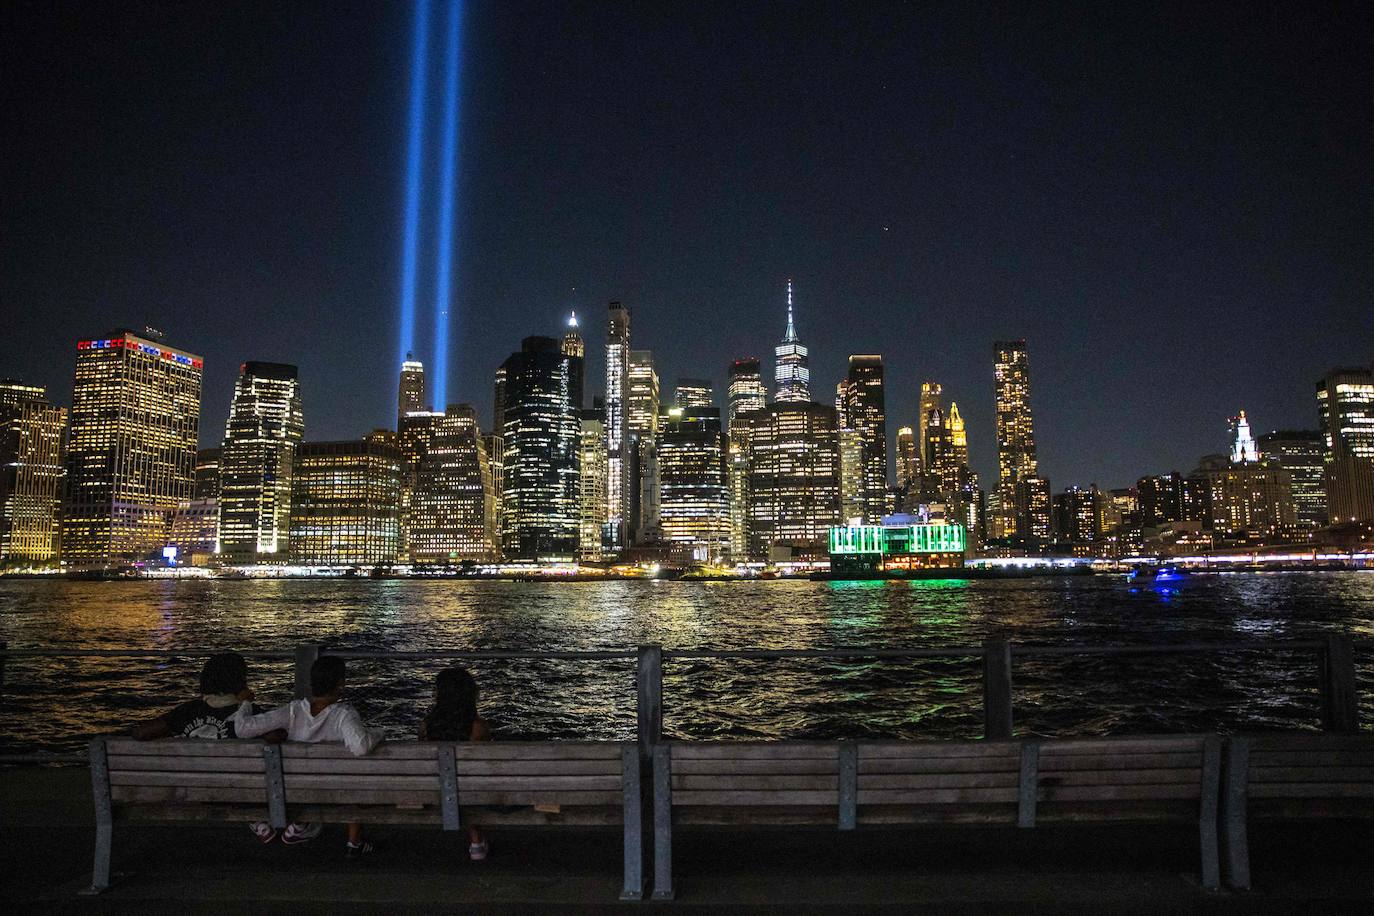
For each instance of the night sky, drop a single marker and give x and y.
(1172, 204)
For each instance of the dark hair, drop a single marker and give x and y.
(226, 672)
(326, 675)
(455, 706)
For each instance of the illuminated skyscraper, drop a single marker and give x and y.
(1015, 444)
(958, 437)
(1033, 524)
(345, 503)
(794, 478)
(131, 453)
(618, 461)
(541, 502)
(1243, 447)
(642, 401)
(737, 474)
(852, 506)
(207, 474)
(791, 374)
(1300, 454)
(592, 485)
(862, 407)
(574, 346)
(1345, 412)
(908, 464)
(265, 426)
(642, 406)
(498, 401)
(746, 392)
(694, 501)
(33, 436)
(453, 513)
(930, 401)
(416, 429)
(411, 392)
(692, 393)
(1076, 515)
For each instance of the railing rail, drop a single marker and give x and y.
(1333, 654)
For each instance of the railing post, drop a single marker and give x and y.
(649, 698)
(305, 657)
(996, 689)
(1340, 702)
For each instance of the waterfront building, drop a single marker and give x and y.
(642, 417)
(853, 509)
(1300, 453)
(541, 503)
(416, 429)
(791, 374)
(260, 438)
(956, 450)
(618, 457)
(1016, 459)
(899, 544)
(694, 491)
(193, 536)
(592, 470)
(737, 470)
(746, 393)
(1077, 516)
(930, 403)
(207, 474)
(642, 401)
(498, 405)
(33, 436)
(692, 393)
(453, 512)
(794, 479)
(1033, 523)
(1245, 501)
(908, 461)
(131, 451)
(861, 405)
(1345, 414)
(575, 347)
(345, 503)
(1243, 447)
(496, 450)
(1160, 499)
(410, 396)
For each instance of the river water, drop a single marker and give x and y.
(54, 704)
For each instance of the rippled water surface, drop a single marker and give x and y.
(53, 704)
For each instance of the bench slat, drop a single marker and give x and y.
(174, 763)
(1326, 741)
(744, 767)
(938, 780)
(1121, 777)
(792, 781)
(1057, 763)
(183, 747)
(1346, 774)
(1311, 790)
(917, 750)
(1116, 793)
(1122, 746)
(1334, 757)
(939, 765)
(463, 767)
(742, 750)
(935, 796)
(752, 798)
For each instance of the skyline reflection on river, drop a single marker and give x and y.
(54, 704)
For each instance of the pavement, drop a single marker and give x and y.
(48, 834)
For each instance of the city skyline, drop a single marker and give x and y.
(894, 245)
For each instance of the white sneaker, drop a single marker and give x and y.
(477, 851)
(300, 833)
(264, 831)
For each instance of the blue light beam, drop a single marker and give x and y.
(443, 292)
(414, 148)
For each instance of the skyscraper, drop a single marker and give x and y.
(853, 508)
(453, 513)
(411, 392)
(692, 393)
(642, 399)
(1345, 413)
(1300, 454)
(794, 478)
(791, 374)
(33, 436)
(541, 505)
(746, 392)
(413, 436)
(908, 464)
(207, 474)
(1033, 523)
(592, 484)
(131, 452)
(694, 501)
(345, 503)
(498, 401)
(862, 407)
(256, 465)
(1243, 447)
(574, 346)
(618, 461)
(641, 411)
(1015, 443)
(930, 402)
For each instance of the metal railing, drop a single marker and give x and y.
(1334, 656)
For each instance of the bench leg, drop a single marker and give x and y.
(104, 816)
(663, 824)
(632, 813)
(1235, 839)
(100, 872)
(1207, 816)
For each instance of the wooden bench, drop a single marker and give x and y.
(851, 784)
(526, 783)
(1289, 777)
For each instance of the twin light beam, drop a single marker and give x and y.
(410, 253)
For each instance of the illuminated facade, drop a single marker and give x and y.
(1243, 447)
(575, 347)
(642, 407)
(410, 396)
(931, 402)
(1345, 413)
(33, 436)
(791, 374)
(1300, 453)
(413, 435)
(592, 471)
(618, 461)
(692, 393)
(1076, 515)
(207, 474)
(1015, 445)
(194, 531)
(737, 473)
(694, 490)
(642, 402)
(794, 478)
(908, 464)
(1033, 522)
(853, 509)
(453, 511)
(256, 463)
(1243, 500)
(131, 452)
(345, 503)
(956, 452)
(861, 405)
(746, 393)
(541, 502)
(872, 548)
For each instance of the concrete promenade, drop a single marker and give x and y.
(45, 856)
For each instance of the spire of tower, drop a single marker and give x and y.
(572, 319)
(791, 328)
